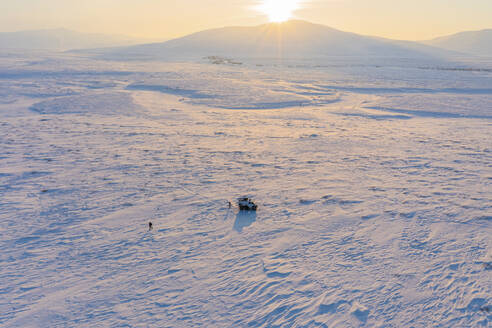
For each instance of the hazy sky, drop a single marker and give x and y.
(163, 19)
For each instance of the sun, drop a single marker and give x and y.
(278, 10)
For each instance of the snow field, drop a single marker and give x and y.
(375, 202)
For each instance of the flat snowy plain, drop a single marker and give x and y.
(373, 179)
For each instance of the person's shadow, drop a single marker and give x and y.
(244, 219)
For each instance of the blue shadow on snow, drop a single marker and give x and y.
(244, 219)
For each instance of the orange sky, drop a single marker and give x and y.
(164, 19)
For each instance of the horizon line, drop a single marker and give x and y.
(165, 39)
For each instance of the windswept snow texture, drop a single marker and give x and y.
(374, 186)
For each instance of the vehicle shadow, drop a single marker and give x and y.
(244, 219)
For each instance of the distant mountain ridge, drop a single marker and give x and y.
(471, 42)
(62, 39)
(292, 39)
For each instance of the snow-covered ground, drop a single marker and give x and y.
(374, 185)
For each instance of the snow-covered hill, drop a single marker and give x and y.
(472, 42)
(292, 39)
(62, 39)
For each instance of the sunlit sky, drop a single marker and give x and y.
(165, 19)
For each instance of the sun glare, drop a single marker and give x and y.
(278, 10)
